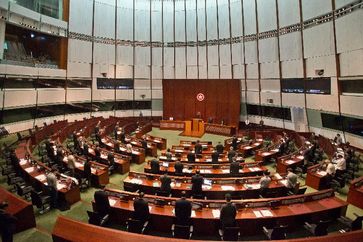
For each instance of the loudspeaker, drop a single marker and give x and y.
(319, 72)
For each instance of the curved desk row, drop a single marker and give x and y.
(245, 187)
(251, 215)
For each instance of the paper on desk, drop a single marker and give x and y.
(208, 160)
(206, 187)
(180, 151)
(136, 181)
(225, 171)
(216, 213)
(60, 186)
(193, 214)
(112, 201)
(266, 213)
(23, 162)
(321, 173)
(278, 176)
(30, 169)
(162, 157)
(93, 170)
(300, 157)
(265, 153)
(247, 147)
(197, 159)
(206, 171)
(41, 177)
(289, 162)
(275, 150)
(156, 184)
(78, 165)
(227, 188)
(257, 214)
(284, 182)
(186, 170)
(256, 144)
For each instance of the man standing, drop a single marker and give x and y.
(183, 210)
(234, 167)
(231, 153)
(178, 167)
(197, 182)
(198, 148)
(191, 156)
(165, 184)
(141, 209)
(155, 166)
(265, 183)
(228, 213)
(219, 148)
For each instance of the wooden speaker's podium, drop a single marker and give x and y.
(194, 127)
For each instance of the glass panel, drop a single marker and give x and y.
(70, 108)
(16, 115)
(103, 106)
(19, 82)
(50, 110)
(292, 85)
(318, 85)
(79, 83)
(51, 83)
(351, 86)
(51, 8)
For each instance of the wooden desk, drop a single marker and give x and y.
(355, 194)
(266, 155)
(143, 129)
(137, 154)
(151, 147)
(219, 129)
(205, 159)
(172, 125)
(293, 210)
(315, 178)
(19, 208)
(37, 177)
(67, 229)
(247, 149)
(160, 142)
(211, 170)
(291, 161)
(244, 187)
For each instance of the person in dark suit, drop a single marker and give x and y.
(178, 168)
(215, 156)
(228, 213)
(234, 142)
(115, 130)
(165, 183)
(168, 155)
(85, 149)
(155, 166)
(231, 153)
(87, 173)
(102, 202)
(116, 146)
(144, 144)
(183, 210)
(7, 223)
(234, 167)
(122, 135)
(220, 148)
(98, 153)
(197, 182)
(141, 209)
(198, 148)
(191, 156)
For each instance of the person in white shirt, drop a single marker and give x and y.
(338, 140)
(129, 148)
(340, 164)
(291, 179)
(330, 168)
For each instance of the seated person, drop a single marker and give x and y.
(198, 148)
(129, 148)
(98, 153)
(85, 149)
(102, 202)
(191, 156)
(338, 140)
(144, 144)
(340, 164)
(178, 167)
(220, 148)
(168, 155)
(234, 166)
(197, 182)
(165, 183)
(231, 153)
(71, 164)
(330, 168)
(155, 166)
(265, 182)
(228, 213)
(116, 147)
(183, 210)
(141, 209)
(291, 180)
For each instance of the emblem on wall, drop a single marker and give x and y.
(200, 97)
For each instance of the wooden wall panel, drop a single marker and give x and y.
(222, 99)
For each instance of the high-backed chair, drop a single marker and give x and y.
(230, 233)
(277, 233)
(318, 229)
(182, 231)
(351, 225)
(96, 218)
(42, 202)
(136, 226)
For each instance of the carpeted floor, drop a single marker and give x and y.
(45, 222)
